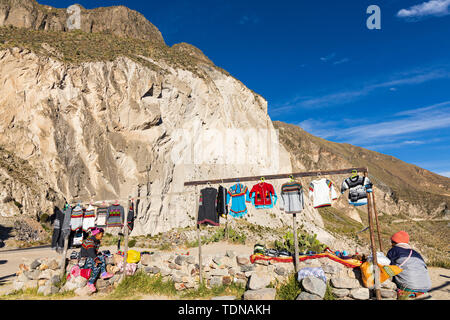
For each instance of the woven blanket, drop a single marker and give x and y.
(350, 263)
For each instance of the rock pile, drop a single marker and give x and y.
(259, 279)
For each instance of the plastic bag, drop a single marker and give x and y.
(386, 272)
(381, 259)
(133, 256)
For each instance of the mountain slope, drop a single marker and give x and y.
(409, 189)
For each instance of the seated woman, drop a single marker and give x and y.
(414, 280)
(94, 261)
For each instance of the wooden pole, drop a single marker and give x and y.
(125, 254)
(373, 247)
(294, 226)
(198, 237)
(376, 219)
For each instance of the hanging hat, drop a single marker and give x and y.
(400, 237)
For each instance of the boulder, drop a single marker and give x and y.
(248, 267)
(46, 274)
(242, 260)
(190, 259)
(388, 293)
(388, 284)
(308, 296)
(340, 293)
(215, 281)
(53, 264)
(360, 293)
(18, 285)
(22, 278)
(30, 284)
(280, 270)
(54, 280)
(259, 280)
(219, 272)
(84, 291)
(260, 294)
(179, 260)
(345, 283)
(314, 286)
(35, 264)
(227, 280)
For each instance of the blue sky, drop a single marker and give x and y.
(320, 67)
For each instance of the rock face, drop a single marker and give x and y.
(117, 20)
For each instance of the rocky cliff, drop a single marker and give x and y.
(110, 111)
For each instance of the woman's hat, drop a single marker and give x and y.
(94, 231)
(400, 237)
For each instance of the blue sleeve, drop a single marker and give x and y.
(393, 255)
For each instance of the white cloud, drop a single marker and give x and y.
(445, 174)
(329, 57)
(429, 8)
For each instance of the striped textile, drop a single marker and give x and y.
(76, 218)
(350, 263)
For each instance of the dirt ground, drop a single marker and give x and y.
(9, 264)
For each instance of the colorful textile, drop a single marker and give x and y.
(320, 190)
(292, 197)
(263, 195)
(359, 186)
(76, 218)
(89, 218)
(89, 247)
(312, 272)
(207, 210)
(239, 195)
(102, 214)
(386, 272)
(115, 216)
(351, 263)
(409, 293)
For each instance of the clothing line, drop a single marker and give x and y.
(277, 176)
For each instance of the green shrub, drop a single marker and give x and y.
(306, 242)
(289, 290)
(44, 218)
(131, 243)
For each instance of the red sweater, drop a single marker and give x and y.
(262, 194)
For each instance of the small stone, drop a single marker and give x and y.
(345, 283)
(259, 280)
(387, 293)
(388, 284)
(24, 267)
(308, 296)
(190, 259)
(260, 294)
(227, 280)
(180, 259)
(174, 266)
(360, 293)
(32, 275)
(53, 264)
(219, 272)
(215, 281)
(231, 271)
(315, 286)
(46, 274)
(101, 283)
(230, 253)
(246, 268)
(280, 270)
(340, 293)
(54, 280)
(242, 282)
(42, 267)
(241, 275)
(35, 264)
(84, 291)
(44, 290)
(242, 260)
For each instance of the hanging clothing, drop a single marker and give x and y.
(89, 218)
(292, 200)
(130, 217)
(263, 195)
(359, 186)
(57, 236)
(102, 215)
(207, 211)
(240, 196)
(116, 215)
(65, 229)
(222, 207)
(320, 191)
(76, 219)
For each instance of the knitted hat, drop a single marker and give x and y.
(400, 237)
(94, 231)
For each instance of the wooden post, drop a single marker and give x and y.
(376, 219)
(198, 237)
(373, 247)
(294, 226)
(125, 254)
(64, 254)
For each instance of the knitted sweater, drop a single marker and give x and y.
(89, 247)
(292, 197)
(207, 211)
(116, 216)
(102, 215)
(320, 190)
(240, 196)
(89, 218)
(359, 186)
(263, 195)
(76, 219)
